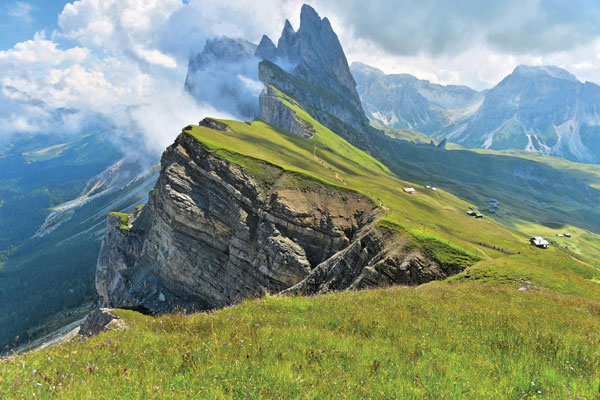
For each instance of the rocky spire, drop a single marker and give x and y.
(266, 49)
(316, 47)
(286, 40)
(309, 19)
(312, 69)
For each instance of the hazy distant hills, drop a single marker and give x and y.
(402, 101)
(543, 109)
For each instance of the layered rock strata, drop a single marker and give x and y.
(214, 233)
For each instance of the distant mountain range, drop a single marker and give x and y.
(402, 101)
(542, 109)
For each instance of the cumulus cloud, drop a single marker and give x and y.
(116, 25)
(41, 51)
(130, 63)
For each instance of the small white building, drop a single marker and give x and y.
(410, 190)
(539, 241)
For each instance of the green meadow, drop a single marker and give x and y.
(450, 341)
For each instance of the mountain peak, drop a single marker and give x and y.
(266, 49)
(309, 17)
(365, 69)
(286, 39)
(549, 70)
(287, 26)
(225, 48)
(314, 56)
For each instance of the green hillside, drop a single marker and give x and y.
(520, 322)
(437, 341)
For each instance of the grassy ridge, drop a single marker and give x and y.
(437, 341)
(427, 215)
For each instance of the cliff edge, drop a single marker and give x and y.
(215, 232)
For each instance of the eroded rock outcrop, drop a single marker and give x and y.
(213, 233)
(99, 320)
(378, 257)
(273, 109)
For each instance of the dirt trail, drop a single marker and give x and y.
(337, 176)
(584, 263)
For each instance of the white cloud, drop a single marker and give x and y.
(42, 51)
(121, 27)
(21, 11)
(157, 57)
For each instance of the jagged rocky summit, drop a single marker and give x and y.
(309, 65)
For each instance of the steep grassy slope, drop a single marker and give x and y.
(538, 194)
(437, 341)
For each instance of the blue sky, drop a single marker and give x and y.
(19, 20)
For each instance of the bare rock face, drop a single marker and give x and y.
(214, 124)
(310, 66)
(272, 109)
(266, 49)
(97, 321)
(119, 250)
(213, 233)
(376, 258)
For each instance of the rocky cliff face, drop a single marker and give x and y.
(214, 233)
(273, 109)
(377, 257)
(310, 66)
